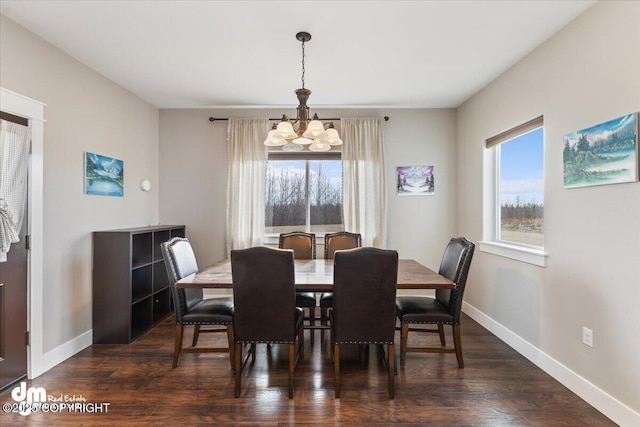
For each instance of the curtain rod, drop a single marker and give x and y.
(215, 119)
(13, 118)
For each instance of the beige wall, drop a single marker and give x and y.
(420, 227)
(586, 74)
(84, 112)
(193, 156)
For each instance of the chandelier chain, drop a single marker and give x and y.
(302, 64)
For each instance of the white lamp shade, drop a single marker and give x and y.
(273, 141)
(319, 146)
(315, 130)
(332, 137)
(285, 131)
(302, 141)
(292, 147)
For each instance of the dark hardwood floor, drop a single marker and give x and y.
(497, 387)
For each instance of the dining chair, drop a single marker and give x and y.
(442, 310)
(304, 247)
(364, 295)
(265, 305)
(191, 308)
(340, 240)
(332, 243)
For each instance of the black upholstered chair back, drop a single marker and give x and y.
(455, 267)
(180, 261)
(303, 244)
(264, 295)
(339, 241)
(364, 295)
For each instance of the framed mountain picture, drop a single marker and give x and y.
(415, 180)
(103, 175)
(606, 153)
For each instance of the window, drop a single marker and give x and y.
(521, 189)
(303, 194)
(514, 193)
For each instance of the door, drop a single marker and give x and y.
(13, 310)
(13, 313)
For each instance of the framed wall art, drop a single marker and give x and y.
(103, 175)
(414, 181)
(606, 153)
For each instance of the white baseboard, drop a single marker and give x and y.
(62, 353)
(612, 408)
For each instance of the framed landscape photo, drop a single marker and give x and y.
(414, 181)
(606, 153)
(103, 175)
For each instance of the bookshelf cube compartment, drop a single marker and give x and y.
(158, 238)
(177, 232)
(141, 282)
(141, 251)
(161, 305)
(141, 317)
(160, 278)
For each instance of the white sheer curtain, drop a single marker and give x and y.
(363, 177)
(246, 182)
(15, 143)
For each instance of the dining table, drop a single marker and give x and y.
(316, 275)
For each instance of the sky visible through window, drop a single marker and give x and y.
(292, 206)
(521, 169)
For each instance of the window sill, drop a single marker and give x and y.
(519, 253)
(271, 239)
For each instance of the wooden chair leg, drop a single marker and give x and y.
(231, 346)
(390, 365)
(336, 370)
(404, 335)
(312, 322)
(196, 335)
(292, 365)
(253, 353)
(458, 345)
(323, 322)
(331, 346)
(177, 346)
(238, 368)
(441, 333)
(301, 343)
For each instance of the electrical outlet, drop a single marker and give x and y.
(587, 336)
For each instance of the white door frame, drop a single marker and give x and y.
(19, 105)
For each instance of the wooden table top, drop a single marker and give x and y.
(317, 275)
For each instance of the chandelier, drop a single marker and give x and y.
(309, 133)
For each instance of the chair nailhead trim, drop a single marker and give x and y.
(207, 323)
(408, 322)
(364, 342)
(264, 342)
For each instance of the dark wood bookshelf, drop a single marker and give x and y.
(131, 290)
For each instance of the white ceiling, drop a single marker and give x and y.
(241, 54)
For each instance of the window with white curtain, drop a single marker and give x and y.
(331, 191)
